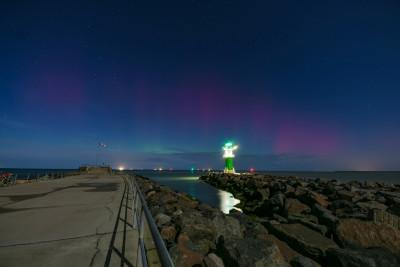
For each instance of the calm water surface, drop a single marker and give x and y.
(188, 182)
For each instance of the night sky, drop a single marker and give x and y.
(297, 85)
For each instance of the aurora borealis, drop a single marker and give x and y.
(298, 86)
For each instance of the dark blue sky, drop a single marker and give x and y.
(298, 85)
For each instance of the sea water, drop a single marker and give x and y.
(188, 182)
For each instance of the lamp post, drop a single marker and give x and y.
(98, 151)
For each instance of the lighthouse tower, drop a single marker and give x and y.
(228, 155)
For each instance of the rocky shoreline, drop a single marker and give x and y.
(287, 221)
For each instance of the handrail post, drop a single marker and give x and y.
(140, 219)
(135, 209)
(142, 259)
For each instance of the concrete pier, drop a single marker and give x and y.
(82, 220)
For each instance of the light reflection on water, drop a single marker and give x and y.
(227, 201)
(188, 182)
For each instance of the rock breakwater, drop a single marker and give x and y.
(197, 234)
(332, 223)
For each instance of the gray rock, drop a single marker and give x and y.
(162, 219)
(168, 233)
(277, 200)
(394, 209)
(293, 206)
(342, 204)
(381, 216)
(188, 253)
(301, 261)
(226, 226)
(308, 242)
(371, 205)
(258, 231)
(279, 218)
(391, 194)
(312, 197)
(244, 220)
(325, 216)
(323, 230)
(196, 226)
(380, 199)
(367, 196)
(289, 189)
(373, 257)
(300, 190)
(298, 218)
(352, 232)
(347, 195)
(371, 184)
(177, 213)
(250, 252)
(212, 260)
(264, 192)
(356, 213)
(273, 205)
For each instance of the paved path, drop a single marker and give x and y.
(75, 221)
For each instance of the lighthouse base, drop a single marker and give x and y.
(229, 171)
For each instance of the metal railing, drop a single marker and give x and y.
(151, 247)
(35, 177)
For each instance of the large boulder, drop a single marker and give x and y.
(287, 253)
(226, 226)
(250, 252)
(347, 195)
(273, 205)
(293, 206)
(352, 232)
(369, 205)
(300, 191)
(373, 257)
(381, 216)
(162, 219)
(244, 220)
(301, 218)
(310, 243)
(187, 253)
(168, 234)
(186, 202)
(264, 192)
(196, 226)
(212, 260)
(301, 261)
(394, 209)
(325, 216)
(311, 197)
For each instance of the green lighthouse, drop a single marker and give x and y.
(228, 155)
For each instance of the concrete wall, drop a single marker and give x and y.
(94, 169)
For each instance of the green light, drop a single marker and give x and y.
(228, 145)
(192, 169)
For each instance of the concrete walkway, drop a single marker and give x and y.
(82, 220)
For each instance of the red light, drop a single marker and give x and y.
(170, 169)
(251, 170)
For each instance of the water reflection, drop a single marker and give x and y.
(227, 201)
(188, 182)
